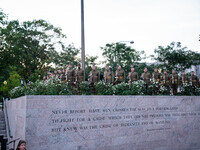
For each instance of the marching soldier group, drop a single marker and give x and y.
(170, 82)
(71, 76)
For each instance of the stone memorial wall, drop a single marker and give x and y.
(106, 122)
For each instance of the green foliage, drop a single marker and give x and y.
(18, 91)
(139, 68)
(137, 88)
(3, 18)
(35, 76)
(101, 88)
(31, 46)
(13, 81)
(120, 54)
(66, 56)
(188, 89)
(175, 56)
(84, 88)
(121, 89)
(40, 88)
(164, 90)
(90, 60)
(56, 87)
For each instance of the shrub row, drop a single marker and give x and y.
(58, 88)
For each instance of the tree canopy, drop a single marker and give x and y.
(175, 56)
(31, 46)
(120, 54)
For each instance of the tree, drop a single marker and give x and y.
(175, 56)
(13, 81)
(90, 60)
(31, 46)
(120, 54)
(66, 56)
(139, 68)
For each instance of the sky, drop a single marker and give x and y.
(149, 23)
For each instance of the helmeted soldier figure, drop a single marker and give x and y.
(79, 74)
(94, 77)
(194, 80)
(70, 75)
(119, 75)
(108, 76)
(174, 80)
(183, 78)
(146, 77)
(133, 76)
(165, 80)
(156, 76)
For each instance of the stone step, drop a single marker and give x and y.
(6, 147)
(5, 136)
(2, 132)
(2, 127)
(2, 121)
(2, 118)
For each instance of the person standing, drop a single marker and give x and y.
(21, 145)
(70, 75)
(156, 75)
(183, 78)
(174, 80)
(194, 80)
(108, 76)
(119, 75)
(133, 76)
(165, 81)
(94, 77)
(156, 78)
(79, 74)
(146, 78)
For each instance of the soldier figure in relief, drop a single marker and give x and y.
(165, 81)
(79, 74)
(194, 80)
(108, 76)
(119, 75)
(183, 78)
(70, 75)
(94, 77)
(156, 78)
(133, 76)
(174, 80)
(146, 77)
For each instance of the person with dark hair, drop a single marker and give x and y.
(79, 74)
(119, 75)
(21, 145)
(70, 75)
(156, 76)
(174, 80)
(133, 76)
(108, 76)
(93, 77)
(183, 78)
(146, 78)
(194, 80)
(166, 81)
